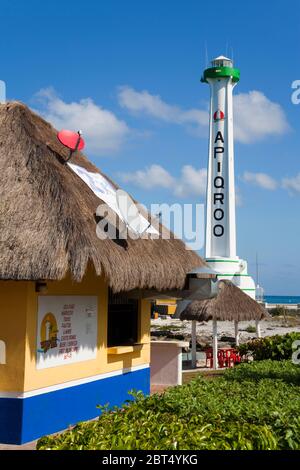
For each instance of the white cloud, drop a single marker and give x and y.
(152, 105)
(260, 179)
(255, 116)
(192, 182)
(102, 130)
(292, 184)
(154, 176)
(238, 197)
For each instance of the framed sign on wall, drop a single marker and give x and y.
(67, 330)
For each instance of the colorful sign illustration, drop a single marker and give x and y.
(48, 332)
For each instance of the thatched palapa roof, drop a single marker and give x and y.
(48, 222)
(230, 304)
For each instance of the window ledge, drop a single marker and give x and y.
(124, 349)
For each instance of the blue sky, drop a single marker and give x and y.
(127, 73)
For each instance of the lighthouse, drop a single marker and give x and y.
(220, 237)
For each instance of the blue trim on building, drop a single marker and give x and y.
(11, 410)
(26, 419)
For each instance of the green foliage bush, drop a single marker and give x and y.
(253, 406)
(278, 311)
(285, 312)
(276, 347)
(250, 329)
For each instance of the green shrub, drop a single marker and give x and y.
(284, 371)
(278, 311)
(253, 406)
(250, 329)
(276, 347)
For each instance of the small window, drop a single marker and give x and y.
(2, 352)
(123, 320)
(222, 63)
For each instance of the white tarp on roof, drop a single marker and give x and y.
(105, 191)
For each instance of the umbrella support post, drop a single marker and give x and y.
(236, 333)
(215, 345)
(258, 331)
(194, 344)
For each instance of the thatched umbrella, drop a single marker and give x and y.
(48, 217)
(231, 304)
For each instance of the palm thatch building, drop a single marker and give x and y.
(231, 304)
(71, 336)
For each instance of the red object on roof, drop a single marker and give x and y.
(71, 139)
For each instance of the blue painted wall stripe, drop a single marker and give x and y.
(11, 410)
(23, 420)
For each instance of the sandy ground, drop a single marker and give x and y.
(270, 327)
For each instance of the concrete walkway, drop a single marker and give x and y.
(28, 446)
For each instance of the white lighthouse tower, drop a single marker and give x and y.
(220, 242)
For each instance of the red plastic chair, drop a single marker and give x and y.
(237, 357)
(222, 358)
(209, 358)
(232, 357)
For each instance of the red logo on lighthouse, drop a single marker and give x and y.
(219, 115)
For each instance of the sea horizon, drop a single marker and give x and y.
(282, 299)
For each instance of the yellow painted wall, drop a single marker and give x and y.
(25, 304)
(13, 297)
(170, 303)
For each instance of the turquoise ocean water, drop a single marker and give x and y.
(282, 299)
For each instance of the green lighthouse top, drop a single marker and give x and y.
(221, 67)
